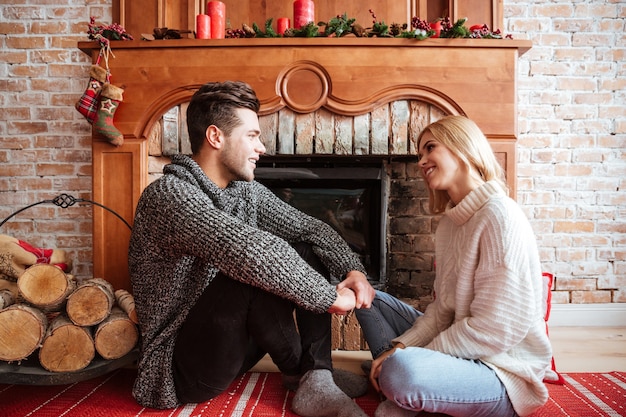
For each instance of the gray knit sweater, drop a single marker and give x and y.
(186, 229)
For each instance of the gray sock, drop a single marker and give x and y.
(390, 409)
(366, 367)
(319, 396)
(352, 384)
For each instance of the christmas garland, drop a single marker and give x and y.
(342, 25)
(104, 34)
(336, 27)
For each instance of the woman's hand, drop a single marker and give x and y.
(377, 365)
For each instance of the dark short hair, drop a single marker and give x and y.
(215, 104)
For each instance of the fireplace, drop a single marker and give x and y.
(349, 193)
(345, 102)
(350, 197)
(369, 199)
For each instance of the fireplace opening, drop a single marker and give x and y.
(351, 199)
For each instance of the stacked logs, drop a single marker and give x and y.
(68, 322)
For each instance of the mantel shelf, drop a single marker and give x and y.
(521, 45)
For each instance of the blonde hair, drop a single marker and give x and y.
(465, 140)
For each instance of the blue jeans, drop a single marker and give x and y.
(421, 379)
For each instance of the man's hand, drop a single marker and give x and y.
(357, 282)
(344, 303)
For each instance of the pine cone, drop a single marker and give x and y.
(250, 33)
(358, 30)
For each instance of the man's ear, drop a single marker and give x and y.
(214, 137)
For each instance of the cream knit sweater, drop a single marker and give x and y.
(488, 295)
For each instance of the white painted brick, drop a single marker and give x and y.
(343, 135)
(324, 132)
(305, 133)
(380, 131)
(362, 134)
(269, 132)
(399, 143)
(286, 132)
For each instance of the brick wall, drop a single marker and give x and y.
(572, 131)
(44, 142)
(572, 142)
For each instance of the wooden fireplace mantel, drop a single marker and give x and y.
(347, 76)
(476, 74)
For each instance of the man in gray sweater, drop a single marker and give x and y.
(218, 263)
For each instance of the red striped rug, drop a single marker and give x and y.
(261, 394)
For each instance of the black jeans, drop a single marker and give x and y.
(233, 325)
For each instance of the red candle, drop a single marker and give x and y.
(203, 26)
(436, 26)
(303, 13)
(217, 11)
(282, 24)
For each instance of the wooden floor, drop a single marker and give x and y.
(589, 349)
(576, 349)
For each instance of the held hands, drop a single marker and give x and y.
(357, 282)
(345, 302)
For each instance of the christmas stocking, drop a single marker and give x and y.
(88, 103)
(110, 98)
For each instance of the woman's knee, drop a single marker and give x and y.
(418, 379)
(406, 371)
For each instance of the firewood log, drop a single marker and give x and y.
(5, 284)
(66, 346)
(91, 302)
(22, 328)
(127, 303)
(6, 298)
(13, 293)
(116, 335)
(45, 287)
(17, 255)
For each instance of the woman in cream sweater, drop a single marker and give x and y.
(480, 348)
